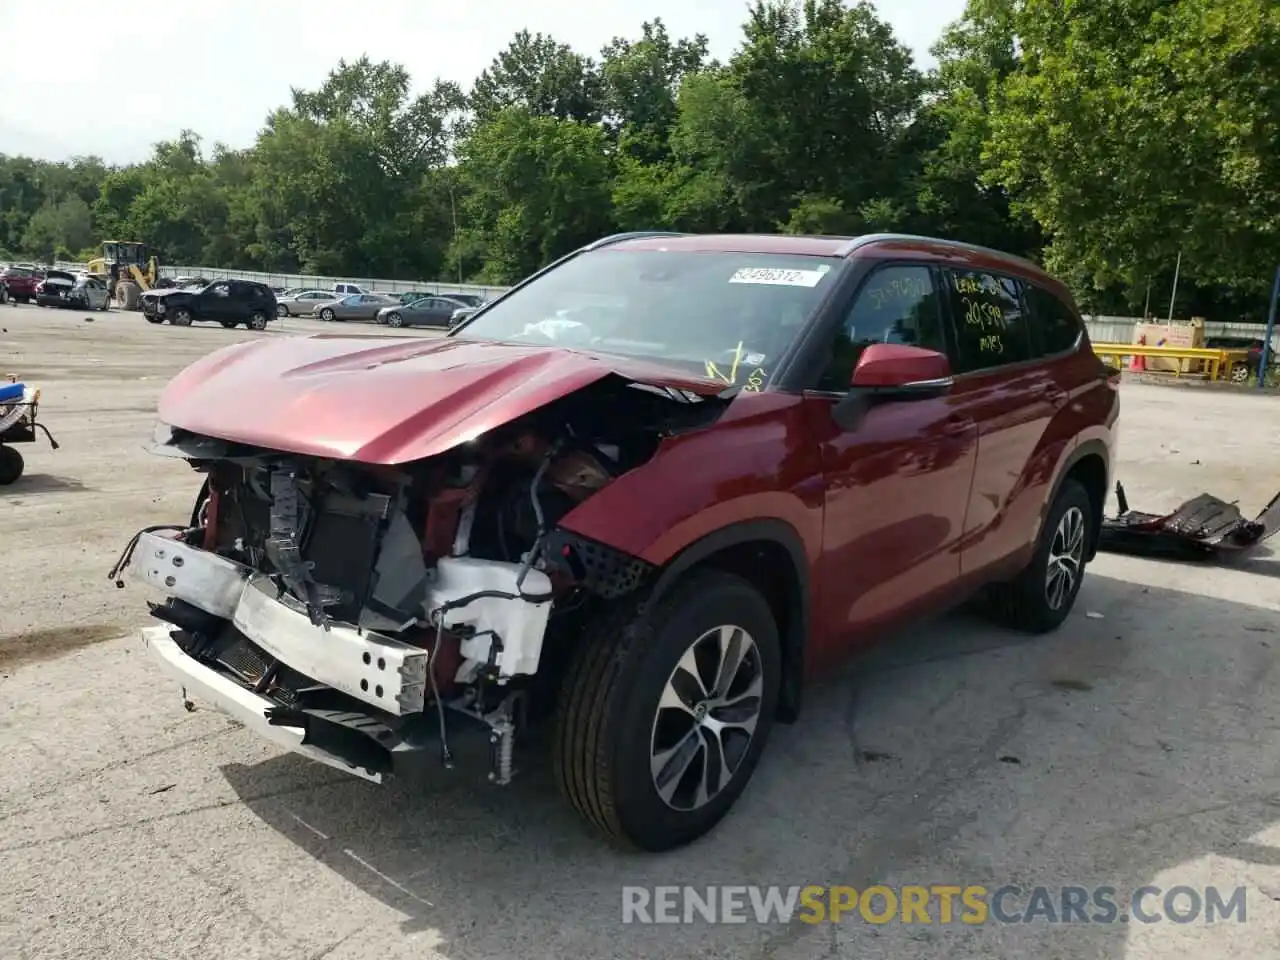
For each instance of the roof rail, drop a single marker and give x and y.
(631, 235)
(857, 242)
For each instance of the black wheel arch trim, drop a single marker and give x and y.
(795, 640)
(1087, 448)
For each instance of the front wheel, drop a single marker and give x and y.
(663, 714)
(1042, 596)
(11, 465)
(326, 315)
(181, 317)
(257, 320)
(395, 320)
(281, 310)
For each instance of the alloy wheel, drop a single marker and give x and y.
(1066, 558)
(706, 718)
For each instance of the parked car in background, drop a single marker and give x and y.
(231, 303)
(299, 302)
(21, 281)
(427, 312)
(461, 314)
(62, 289)
(467, 299)
(409, 297)
(358, 306)
(1242, 371)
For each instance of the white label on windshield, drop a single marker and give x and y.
(777, 277)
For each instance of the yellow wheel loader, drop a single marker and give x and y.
(128, 269)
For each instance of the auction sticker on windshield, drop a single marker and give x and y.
(780, 277)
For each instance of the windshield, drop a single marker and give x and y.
(725, 316)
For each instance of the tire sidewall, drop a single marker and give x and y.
(1071, 494)
(645, 817)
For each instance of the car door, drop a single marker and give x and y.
(1001, 384)
(214, 302)
(897, 485)
(436, 312)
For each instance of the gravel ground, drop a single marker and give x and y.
(1135, 746)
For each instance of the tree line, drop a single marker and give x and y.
(1104, 138)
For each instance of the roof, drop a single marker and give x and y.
(872, 246)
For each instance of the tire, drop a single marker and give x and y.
(395, 320)
(229, 324)
(326, 315)
(181, 317)
(11, 465)
(1240, 373)
(607, 714)
(257, 320)
(281, 311)
(1031, 603)
(127, 295)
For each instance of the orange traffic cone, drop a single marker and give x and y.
(1139, 363)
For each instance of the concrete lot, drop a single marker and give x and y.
(1136, 747)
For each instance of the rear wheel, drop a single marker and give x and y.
(1042, 596)
(663, 715)
(11, 465)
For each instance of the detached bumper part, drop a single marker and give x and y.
(243, 706)
(380, 671)
(1198, 529)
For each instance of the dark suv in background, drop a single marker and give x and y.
(231, 303)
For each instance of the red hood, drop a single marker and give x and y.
(379, 400)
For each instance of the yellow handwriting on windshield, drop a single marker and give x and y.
(714, 371)
(754, 381)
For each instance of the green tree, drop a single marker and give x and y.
(542, 76)
(1135, 130)
(537, 187)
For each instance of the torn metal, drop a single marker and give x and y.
(1199, 529)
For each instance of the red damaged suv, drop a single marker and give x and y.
(643, 497)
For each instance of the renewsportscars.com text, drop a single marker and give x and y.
(934, 904)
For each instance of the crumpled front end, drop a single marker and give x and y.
(357, 613)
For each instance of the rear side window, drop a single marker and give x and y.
(1056, 327)
(990, 322)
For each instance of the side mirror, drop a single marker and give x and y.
(902, 371)
(891, 371)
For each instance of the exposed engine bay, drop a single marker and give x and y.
(359, 607)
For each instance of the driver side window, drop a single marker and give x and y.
(897, 304)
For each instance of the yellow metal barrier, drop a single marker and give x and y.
(1216, 361)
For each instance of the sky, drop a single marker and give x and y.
(219, 67)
